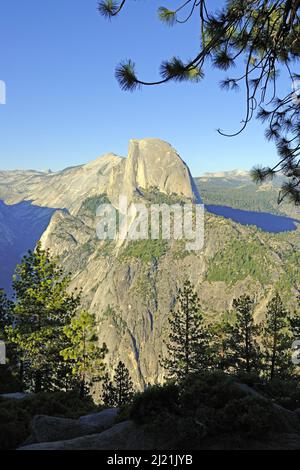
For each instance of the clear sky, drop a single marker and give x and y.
(64, 106)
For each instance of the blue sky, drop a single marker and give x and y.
(64, 106)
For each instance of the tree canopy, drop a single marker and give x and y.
(261, 35)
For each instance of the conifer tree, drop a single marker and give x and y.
(118, 391)
(295, 321)
(277, 340)
(84, 354)
(188, 342)
(219, 338)
(42, 307)
(6, 317)
(295, 327)
(242, 349)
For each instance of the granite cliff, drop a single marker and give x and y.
(132, 287)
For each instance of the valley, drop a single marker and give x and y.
(131, 286)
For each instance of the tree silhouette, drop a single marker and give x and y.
(42, 307)
(6, 317)
(83, 352)
(118, 391)
(241, 347)
(188, 343)
(277, 340)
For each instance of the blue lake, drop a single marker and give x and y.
(263, 220)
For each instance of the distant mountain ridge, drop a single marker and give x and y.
(227, 174)
(236, 189)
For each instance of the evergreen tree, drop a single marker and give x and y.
(242, 349)
(188, 342)
(295, 321)
(219, 334)
(42, 308)
(83, 353)
(6, 316)
(118, 391)
(277, 340)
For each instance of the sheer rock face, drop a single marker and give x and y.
(150, 163)
(131, 288)
(132, 294)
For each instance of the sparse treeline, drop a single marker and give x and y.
(235, 345)
(52, 343)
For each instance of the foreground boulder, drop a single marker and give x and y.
(122, 436)
(50, 429)
(100, 421)
(14, 396)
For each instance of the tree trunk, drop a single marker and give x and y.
(82, 388)
(21, 371)
(38, 382)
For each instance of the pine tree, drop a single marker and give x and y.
(242, 349)
(219, 335)
(6, 316)
(277, 340)
(295, 321)
(118, 391)
(85, 355)
(42, 307)
(108, 396)
(188, 342)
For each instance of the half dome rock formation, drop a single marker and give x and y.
(132, 287)
(152, 163)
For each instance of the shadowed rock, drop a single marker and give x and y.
(49, 428)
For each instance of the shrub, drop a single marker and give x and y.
(8, 381)
(247, 417)
(204, 406)
(16, 415)
(176, 432)
(285, 392)
(155, 400)
(209, 389)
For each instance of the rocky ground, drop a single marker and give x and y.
(102, 431)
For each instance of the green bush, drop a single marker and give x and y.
(16, 415)
(148, 405)
(212, 390)
(9, 383)
(285, 392)
(248, 417)
(207, 407)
